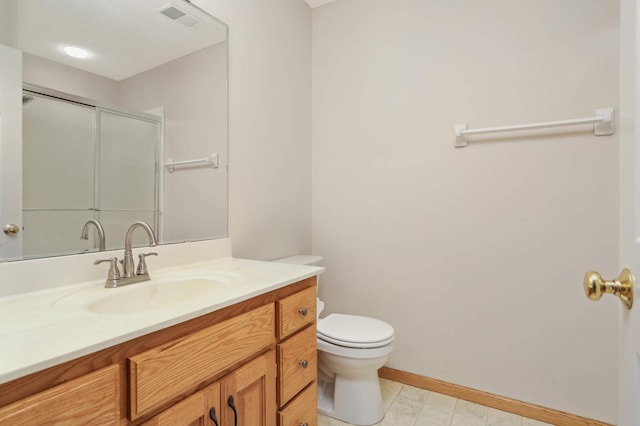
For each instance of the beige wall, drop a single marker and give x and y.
(43, 72)
(7, 24)
(270, 125)
(194, 199)
(474, 255)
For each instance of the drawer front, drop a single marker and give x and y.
(185, 413)
(93, 399)
(296, 311)
(303, 410)
(178, 367)
(297, 364)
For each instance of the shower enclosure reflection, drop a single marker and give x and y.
(82, 163)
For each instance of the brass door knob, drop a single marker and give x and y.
(11, 229)
(595, 286)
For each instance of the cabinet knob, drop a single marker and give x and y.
(304, 363)
(304, 424)
(303, 312)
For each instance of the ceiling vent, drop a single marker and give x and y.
(177, 15)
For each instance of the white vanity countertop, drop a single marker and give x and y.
(44, 328)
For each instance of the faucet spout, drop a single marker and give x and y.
(129, 268)
(85, 232)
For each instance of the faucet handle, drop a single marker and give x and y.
(142, 264)
(114, 273)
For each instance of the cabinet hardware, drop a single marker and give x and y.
(304, 424)
(212, 416)
(113, 276)
(304, 363)
(235, 412)
(303, 312)
(142, 264)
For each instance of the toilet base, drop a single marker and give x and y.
(356, 401)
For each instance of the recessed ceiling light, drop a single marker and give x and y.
(76, 52)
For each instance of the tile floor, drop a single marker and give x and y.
(410, 406)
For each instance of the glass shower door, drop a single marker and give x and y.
(58, 151)
(127, 170)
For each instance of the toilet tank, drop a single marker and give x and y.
(309, 260)
(302, 259)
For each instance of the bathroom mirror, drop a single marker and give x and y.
(111, 111)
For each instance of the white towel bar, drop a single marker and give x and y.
(602, 121)
(210, 161)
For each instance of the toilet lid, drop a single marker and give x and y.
(354, 331)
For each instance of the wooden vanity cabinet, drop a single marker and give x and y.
(161, 374)
(93, 399)
(297, 359)
(302, 410)
(250, 389)
(260, 354)
(196, 410)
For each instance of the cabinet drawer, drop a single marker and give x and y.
(178, 367)
(93, 399)
(296, 311)
(297, 365)
(303, 410)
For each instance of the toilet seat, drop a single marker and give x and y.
(354, 353)
(354, 331)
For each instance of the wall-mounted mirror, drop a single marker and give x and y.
(111, 111)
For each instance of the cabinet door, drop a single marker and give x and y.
(193, 411)
(248, 393)
(88, 400)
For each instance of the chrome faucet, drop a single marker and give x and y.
(128, 270)
(84, 235)
(129, 275)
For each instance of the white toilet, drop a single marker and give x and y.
(351, 349)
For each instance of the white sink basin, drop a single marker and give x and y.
(154, 296)
(142, 297)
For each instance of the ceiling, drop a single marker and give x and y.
(317, 3)
(115, 31)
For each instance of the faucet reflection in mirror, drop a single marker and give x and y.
(84, 235)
